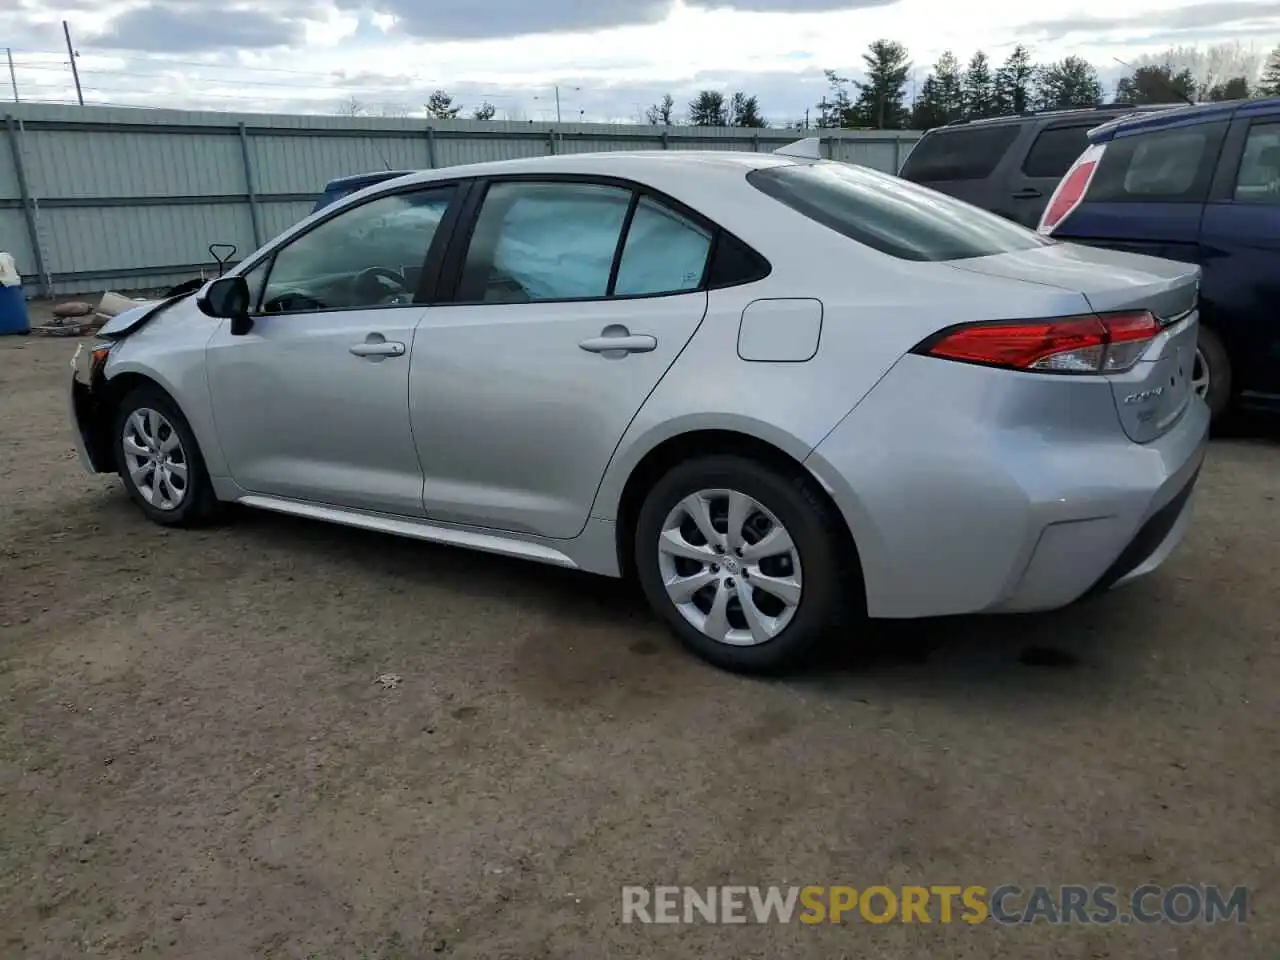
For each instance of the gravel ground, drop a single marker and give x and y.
(196, 760)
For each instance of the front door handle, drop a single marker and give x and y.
(617, 341)
(1027, 193)
(377, 347)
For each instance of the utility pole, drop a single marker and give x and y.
(557, 103)
(13, 76)
(75, 73)
(806, 118)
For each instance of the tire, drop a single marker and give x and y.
(1213, 356)
(148, 416)
(830, 585)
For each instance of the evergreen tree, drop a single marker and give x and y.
(882, 97)
(928, 111)
(979, 88)
(708, 109)
(1269, 85)
(485, 111)
(744, 111)
(1071, 82)
(836, 107)
(1156, 84)
(440, 106)
(950, 86)
(1014, 82)
(1237, 88)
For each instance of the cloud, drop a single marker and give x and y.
(463, 20)
(1211, 15)
(183, 27)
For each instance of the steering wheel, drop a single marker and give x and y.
(292, 301)
(368, 287)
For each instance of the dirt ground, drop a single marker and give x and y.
(196, 760)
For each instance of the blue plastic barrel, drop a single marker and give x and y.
(13, 310)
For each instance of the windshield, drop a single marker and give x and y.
(892, 215)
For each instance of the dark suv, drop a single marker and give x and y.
(1202, 185)
(1008, 165)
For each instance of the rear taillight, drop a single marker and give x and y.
(1110, 343)
(1071, 189)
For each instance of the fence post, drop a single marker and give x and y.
(897, 155)
(250, 185)
(431, 148)
(664, 140)
(551, 142)
(755, 143)
(28, 205)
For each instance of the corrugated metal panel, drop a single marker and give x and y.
(456, 151)
(120, 238)
(8, 173)
(278, 216)
(72, 164)
(14, 240)
(285, 164)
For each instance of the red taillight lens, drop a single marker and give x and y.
(1071, 189)
(1105, 344)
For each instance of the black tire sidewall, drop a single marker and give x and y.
(1215, 356)
(805, 517)
(197, 505)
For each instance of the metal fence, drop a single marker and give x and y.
(98, 197)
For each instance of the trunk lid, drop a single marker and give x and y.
(1155, 392)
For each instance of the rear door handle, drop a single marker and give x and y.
(377, 349)
(616, 341)
(1027, 193)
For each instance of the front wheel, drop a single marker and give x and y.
(160, 462)
(744, 562)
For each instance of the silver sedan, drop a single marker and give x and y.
(785, 394)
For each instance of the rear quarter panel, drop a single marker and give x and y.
(875, 309)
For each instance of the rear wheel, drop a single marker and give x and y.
(160, 462)
(1211, 376)
(743, 562)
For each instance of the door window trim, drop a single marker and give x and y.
(454, 259)
(428, 282)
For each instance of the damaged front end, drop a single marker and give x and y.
(90, 406)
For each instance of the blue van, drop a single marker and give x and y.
(341, 187)
(1200, 184)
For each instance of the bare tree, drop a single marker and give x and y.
(393, 110)
(352, 108)
(659, 115)
(1211, 66)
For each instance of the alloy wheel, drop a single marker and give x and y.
(730, 567)
(155, 459)
(1200, 375)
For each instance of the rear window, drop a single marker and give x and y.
(1169, 165)
(892, 215)
(1054, 151)
(965, 153)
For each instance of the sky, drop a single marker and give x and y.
(610, 59)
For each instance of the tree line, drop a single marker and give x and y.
(954, 91)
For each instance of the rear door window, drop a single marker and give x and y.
(890, 214)
(965, 153)
(1054, 151)
(1163, 165)
(1258, 180)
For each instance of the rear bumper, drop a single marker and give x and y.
(969, 490)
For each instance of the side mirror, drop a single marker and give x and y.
(228, 298)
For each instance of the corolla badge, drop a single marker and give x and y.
(1142, 396)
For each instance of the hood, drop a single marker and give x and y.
(1109, 279)
(123, 324)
